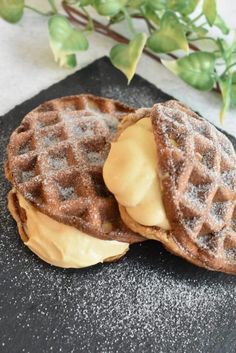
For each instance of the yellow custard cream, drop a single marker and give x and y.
(62, 245)
(130, 173)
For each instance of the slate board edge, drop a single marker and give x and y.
(104, 58)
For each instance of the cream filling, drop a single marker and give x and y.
(131, 174)
(65, 246)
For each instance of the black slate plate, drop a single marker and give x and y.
(150, 301)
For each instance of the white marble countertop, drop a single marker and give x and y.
(27, 66)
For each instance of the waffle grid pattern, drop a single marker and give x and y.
(56, 156)
(198, 171)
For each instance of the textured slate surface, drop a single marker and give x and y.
(150, 301)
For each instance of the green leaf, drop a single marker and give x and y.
(109, 7)
(189, 7)
(209, 10)
(126, 56)
(226, 91)
(183, 6)
(86, 2)
(170, 37)
(157, 4)
(151, 15)
(117, 18)
(64, 36)
(220, 23)
(11, 10)
(65, 40)
(226, 49)
(66, 60)
(233, 91)
(197, 69)
(81, 3)
(135, 4)
(200, 31)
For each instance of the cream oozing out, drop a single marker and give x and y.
(131, 174)
(62, 245)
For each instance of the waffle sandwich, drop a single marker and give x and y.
(177, 184)
(64, 212)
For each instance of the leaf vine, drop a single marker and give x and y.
(172, 28)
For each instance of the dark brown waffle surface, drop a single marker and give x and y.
(55, 160)
(197, 165)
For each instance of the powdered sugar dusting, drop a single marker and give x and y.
(95, 158)
(50, 140)
(77, 131)
(198, 193)
(229, 178)
(58, 163)
(134, 96)
(144, 302)
(66, 193)
(27, 175)
(218, 210)
(148, 302)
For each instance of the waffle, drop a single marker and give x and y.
(55, 159)
(197, 166)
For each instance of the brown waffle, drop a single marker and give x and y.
(197, 166)
(55, 160)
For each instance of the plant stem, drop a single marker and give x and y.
(38, 11)
(102, 29)
(193, 47)
(129, 21)
(80, 18)
(217, 88)
(201, 38)
(53, 6)
(149, 25)
(197, 18)
(228, 68)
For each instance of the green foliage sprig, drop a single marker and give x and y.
(173, 26)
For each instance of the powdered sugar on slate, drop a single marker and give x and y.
(144, 303)
(135, 305)
(134, 96)
(148, 302)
